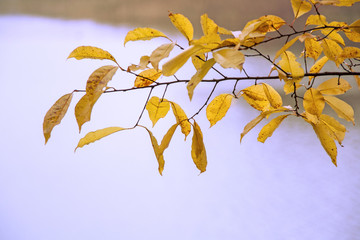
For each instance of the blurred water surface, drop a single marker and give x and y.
(286, 188)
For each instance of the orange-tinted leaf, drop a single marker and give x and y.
(146, 78)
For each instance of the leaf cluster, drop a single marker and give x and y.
(322, 42)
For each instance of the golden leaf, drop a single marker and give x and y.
(160, 53)
(273, 21)
(318, 65)
(146, 78)
(357, 79)
(289, 64)
(198, 152)
(211, 41)
(218, 108)
(316, 20)
(285, 47)
(336, 130)
(342, 109)
(173, 65)
(199, 75)
(208, 26)
(272, 95)
(99, 79)
(95, 86)
(251, 125)
(350, 52)
(334, 86)
(157, 109)
(97, 135)
(181, 119)
(300, 7)
(55, 114)
(269, 128)
(353, 33)
(143, 34)
(256, 97)
(198, 60)
(90, 52)
(313, 102)
(167, 138)
(313, 48)
(332, 50)
(333, 35)
(158, 153)
(229, 58)
(339, 3)
(183, 24)
(328, 143)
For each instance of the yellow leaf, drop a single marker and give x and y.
(90, 52)
(146, 78)
(208, 26)
(198, 60)
(300, 7)
(313, 48)
(143, 34)
(97, 135)
(99, 79)
(224, 31)
(273, 21)
(199, 75)
(350, 52)
(160, 53)
(353, 33)
(55, 114)
(333, 35)
(313, 102)
(318, 65)
(316, 20)
(218, 108)
(328, 143)
(289, 64)
(144, 61)
(272, 95)
(285, 47)
(158, 153)
(183, 24)
(254, 32)
(357, 79)
(256, 97)
(95, 86)
(339, 3)
(157, 109)
(342, 109)
(198, 152)
(167, 138)
(332, 50)
(269, 128)
(334, 86)
(229, 58)
(336, 130)
(181, 119)
(211, 41)
(173, 65)
(251, 125)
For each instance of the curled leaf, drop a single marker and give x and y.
(181, 119)
(218, 108)
(198, 152)
(91, 53)
(97, 135)
(272, 95)
(143, 34)
(252, 124)
(55, 114)
(167, 137)
(157, 109)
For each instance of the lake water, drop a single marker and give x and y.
(286, 188)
